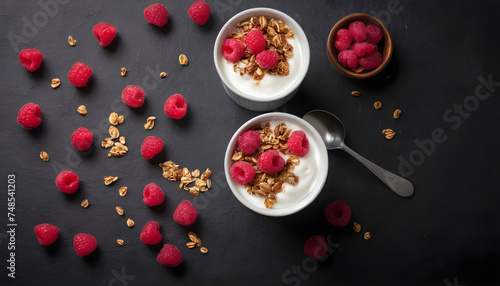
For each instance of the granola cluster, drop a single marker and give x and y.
(276, 33)
(192, 182)
(267, 185)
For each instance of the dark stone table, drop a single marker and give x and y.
(444, 76)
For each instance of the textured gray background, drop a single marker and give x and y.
(446, 234)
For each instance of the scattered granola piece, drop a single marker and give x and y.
(163, 74)
(130, 223)
(367, 235)
(120, 241)
(113, 132)
(107, 142)
(192, 236)
(388, 133)
(121, 118)
(82, 109)
(55, 83)
(397, 113)
(113, 118)
(150, 123)
(356, 227)
(44, 156)
(183, 60)
(355, 93)
(122, 139)
(118, 150)
(123, 71)
(377, 104)
(204, 250)
(85, 203)
(190, 244)
(123, 191)
(109, 179)
(71, 41)
(119, 210)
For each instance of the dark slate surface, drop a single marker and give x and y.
(446, 234)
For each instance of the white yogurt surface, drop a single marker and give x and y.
(307, 171)
(270, 84)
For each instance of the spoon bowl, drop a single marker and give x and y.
(332, 131)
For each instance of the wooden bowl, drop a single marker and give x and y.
(384, 46)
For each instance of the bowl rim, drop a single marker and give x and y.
(332, 51)
(318, 185)
(298, 34)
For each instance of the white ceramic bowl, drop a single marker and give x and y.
(312, 170)
(299, 64)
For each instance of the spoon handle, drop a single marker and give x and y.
(396, 183)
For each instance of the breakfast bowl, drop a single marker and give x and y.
(278, 85)
(300, 184)
(384, 46)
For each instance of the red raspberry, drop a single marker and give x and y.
(175, 107)
(151, 146)
(371, 61)
(31, 59)
(315, 247)
(67, 182)
(133, 96)
(82, 138)
(338, 213)
(267, 59)
(30, 116)
(150, 233)
(199, 12)
(298, 143)
(348, 58)
(363, 48)
(84, 244)
(169, 256)
(249, 142)
(156, 14)
(271, 161)
(373, 34)
(185, 213)
(46, 233)
(255, 41)
(105, 33)
(343, 39)
(233, 50)
(152, 195)
(358, 31)
(242, 172)
(79, 74)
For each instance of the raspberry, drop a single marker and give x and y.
(338, 213)
(31, 59)
(67, 182)
(79, 74)
(271, 161)
(156, 14)
(151, 146)
(133, 96)
(233, 50)
(348, 58)
(175, 107)
(150, 233)
(298, 143)
(249, 142)
(84, 244)
(152, 195)
(363, 48)
(105, 33)
(242, 172)
(169, 256)
(315, 247)
(30, 116)
(373, 34)
(185, 213)
(371, 61)
(255, 41)
(46, 233)
(267, 59)
(358, 31)
(82, 138)
(343, 39)
(199, 12)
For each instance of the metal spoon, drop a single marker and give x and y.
(332, 131)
